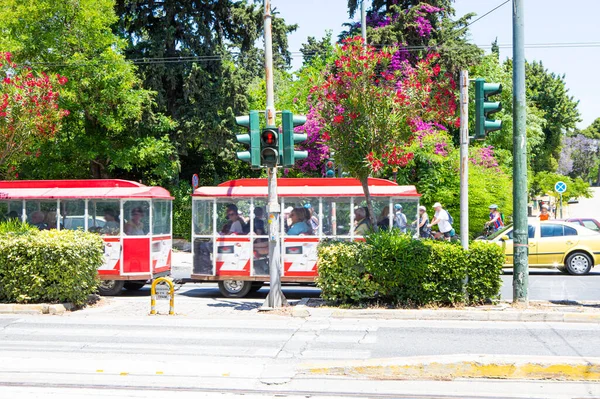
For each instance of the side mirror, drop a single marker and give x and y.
(504, 237)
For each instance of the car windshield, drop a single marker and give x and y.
(499, 232)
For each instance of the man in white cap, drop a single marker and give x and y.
(442, 219)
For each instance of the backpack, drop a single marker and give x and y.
(450, 218)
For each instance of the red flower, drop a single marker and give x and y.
(338, 119)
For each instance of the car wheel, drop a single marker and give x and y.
(578, 263)
(110, 287)
(134, 285)
(234, 288)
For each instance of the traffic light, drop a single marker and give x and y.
(329, 168)
(269, 150)
(290, 139)
(484, 108)
(251, 139)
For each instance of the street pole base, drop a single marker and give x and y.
(274, 300)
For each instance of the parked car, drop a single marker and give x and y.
(590, 223)
(568, 247)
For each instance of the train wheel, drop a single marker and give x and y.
(234, 288)
(134, 285)
(110, 287)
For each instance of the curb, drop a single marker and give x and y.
(443, 314)
(462, 366)
(42, 308)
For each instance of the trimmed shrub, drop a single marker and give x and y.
(16, 227)
(485, 262)
(401, 270)
(342, 277)
(49, 266)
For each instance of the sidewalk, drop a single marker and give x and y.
(538, 311)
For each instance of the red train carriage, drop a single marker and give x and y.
(230, 226)
(133, 219)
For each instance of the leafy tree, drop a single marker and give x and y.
(419, 26)
(548, 93)
(314, 49)
(579, 156)
(110, 130)
(369, 107)
(201, 59)
(543, 184)
(593, 131)
(29, 113)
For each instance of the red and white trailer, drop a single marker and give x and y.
(134, 221)
(229, 231)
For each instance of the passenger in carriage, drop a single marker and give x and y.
(37, 220)
(236, 223)
(299, 223)
(312, 218)
(259, 221)
(135, 226)
(50, 221)
(363, 224)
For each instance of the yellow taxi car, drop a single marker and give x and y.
(568, 247)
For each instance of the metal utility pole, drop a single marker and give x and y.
(363, 21)
(521, 242)
(275, 298)
(464, 159)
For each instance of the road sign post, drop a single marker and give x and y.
(162, 288)
(560, 187)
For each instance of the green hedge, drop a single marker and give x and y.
(485, 268)
(49, 266)
(400, 270)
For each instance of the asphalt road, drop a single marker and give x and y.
(107, 352)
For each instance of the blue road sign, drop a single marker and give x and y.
(560, 187)
(195, 181)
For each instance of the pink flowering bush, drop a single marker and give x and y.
(29, 112)
(371, 112)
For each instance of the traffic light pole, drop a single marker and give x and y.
(464, 159)
(275, 298)
(521, 246)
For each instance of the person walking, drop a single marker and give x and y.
(495, 218)
(545, 213)
(400, 218)
(442, 220)
(422, 223)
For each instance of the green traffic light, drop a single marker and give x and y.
(251, 139)
(484, 108)
(290, 139)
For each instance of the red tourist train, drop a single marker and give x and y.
(134, 220)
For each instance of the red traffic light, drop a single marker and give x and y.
(269, 138)
(329, 165)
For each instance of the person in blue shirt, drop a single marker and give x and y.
(299, 225)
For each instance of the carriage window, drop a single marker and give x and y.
(300, 216)
(233, 217)
(161, 217)
(260, 218)
(405, 212)
(11, 210)
(381, 209)
(42, 214)
(103, 217)
(136, 218)
(203, 217)
(336, 217)
(72, 214)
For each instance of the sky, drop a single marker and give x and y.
(546, 21)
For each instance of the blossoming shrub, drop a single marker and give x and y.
(402, 271)
(49, 266)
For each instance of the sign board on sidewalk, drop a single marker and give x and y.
(560, 187)
(195, 181)
(163, 291)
